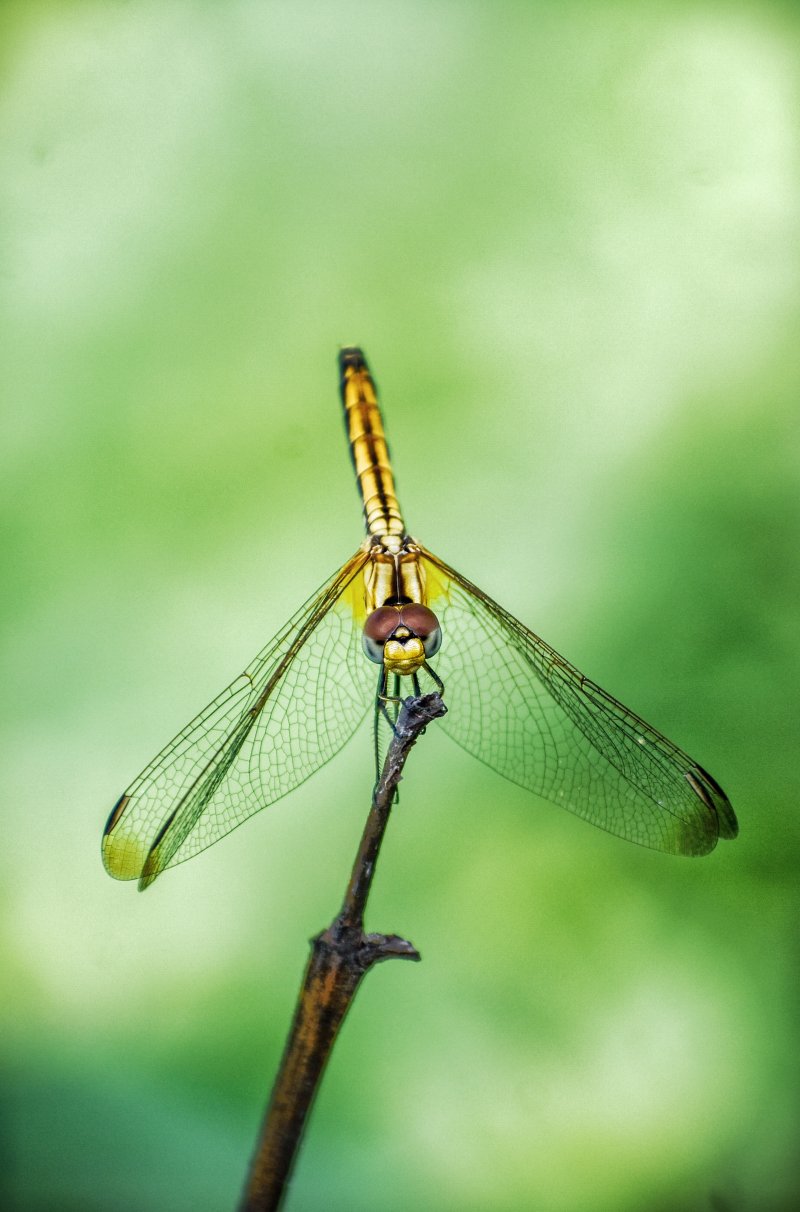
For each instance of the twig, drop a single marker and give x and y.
(340, 958)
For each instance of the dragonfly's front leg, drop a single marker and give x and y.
(433, 674)
(384, 699)
(387, 709)
(389, 704)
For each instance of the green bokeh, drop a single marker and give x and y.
(566, 236)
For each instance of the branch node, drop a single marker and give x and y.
(389, 946)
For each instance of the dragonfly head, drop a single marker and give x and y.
(401, 637)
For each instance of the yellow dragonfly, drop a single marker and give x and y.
(512, 701)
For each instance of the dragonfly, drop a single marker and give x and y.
(512, 701)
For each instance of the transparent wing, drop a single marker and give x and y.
(518, 706)
(286, 715)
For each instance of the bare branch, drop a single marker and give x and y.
(340, 958)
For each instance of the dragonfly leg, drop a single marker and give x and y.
(436, 678)
(389, 704)
(387, 707)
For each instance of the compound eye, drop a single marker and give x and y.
(377, 629)
(425, 625)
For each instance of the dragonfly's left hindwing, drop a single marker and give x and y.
(290, 711)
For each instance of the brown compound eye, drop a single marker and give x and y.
(424, 624)
(377, 629)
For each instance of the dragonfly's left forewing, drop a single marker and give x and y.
(517, 705)
(290, 711)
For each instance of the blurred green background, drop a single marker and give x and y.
(567, 238)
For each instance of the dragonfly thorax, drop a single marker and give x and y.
(401, 636)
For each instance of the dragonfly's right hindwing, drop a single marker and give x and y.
(518, 706)
(290, 711)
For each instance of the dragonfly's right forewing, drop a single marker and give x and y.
(521, 708)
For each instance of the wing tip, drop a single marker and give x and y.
(126, 857)
(709, 792)
(115, 813)
(123, 856)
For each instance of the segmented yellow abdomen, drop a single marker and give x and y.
(368, 447)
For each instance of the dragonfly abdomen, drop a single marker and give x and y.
(368, 448)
